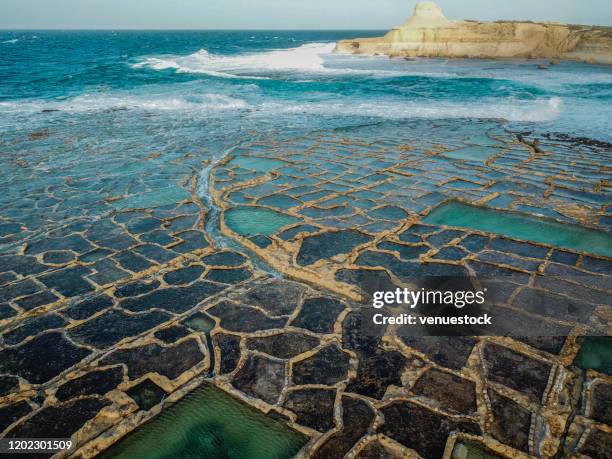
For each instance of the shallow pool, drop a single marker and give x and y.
(522, 226)
(208, 423)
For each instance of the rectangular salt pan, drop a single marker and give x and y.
(522, 226)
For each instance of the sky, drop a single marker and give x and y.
(279, 14)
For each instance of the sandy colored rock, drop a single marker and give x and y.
(428, 33)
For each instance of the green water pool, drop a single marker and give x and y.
(522, 226)
(209, 424)
(256, 163)
(252, 220)
(595, 354)
(471, 451)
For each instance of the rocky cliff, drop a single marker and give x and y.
(428, 33)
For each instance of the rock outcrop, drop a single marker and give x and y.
(428, 33)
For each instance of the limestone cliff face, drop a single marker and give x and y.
(428, 33)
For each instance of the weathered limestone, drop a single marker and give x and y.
(428, 33)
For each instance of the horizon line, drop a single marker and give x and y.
(18, 29)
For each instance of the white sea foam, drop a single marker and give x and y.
(305, 58)
(541, 110)
(99, 102)
(14, 40)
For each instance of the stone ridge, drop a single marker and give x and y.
(429, 34)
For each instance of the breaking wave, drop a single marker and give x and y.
(305, 58)
(101, 102)
(542, 110)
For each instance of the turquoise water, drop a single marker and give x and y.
(596, 354)
(522, 226)
(155, 84)
(209, 424)
(249, 221)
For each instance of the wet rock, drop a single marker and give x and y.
(328, 366)
(136, 288)
(277, 297)
(406, 252)
(37, 300)
(261, 241)
(74, 242)
(449, 351)
(97, 382)
(58, 257)
(184, 276)
(241, 318)
(113, 326)
(6, 311)
(229, 348)
(367, 280)
(158, 237)
(261, 378)
(517, 371)
(314, 407)
(59, 421)
(133, 262)
(376, 371)
(107, 272)
(450, 392)
(421, 429)
(601, 403)
(24, 265)
(84, 309)
(552, 305)
(392, 213)
(474, 242)
(598, 444)
(69, 282)
(319, 314)
(171, 334)
(19, 289)
(228, 276)
(357, 416)
(409, 271)
(12, 413)
(522, 249)
(41, 359)
(225, 259)
(170, 361)
(173, 299)
(444, 237)
(329, 244)
(375, 450)
(156, 253)
(291, 233)
(511, 422)
(32, 327)
(146, 394)
(8, 384)
(284, 345)
(193, 240)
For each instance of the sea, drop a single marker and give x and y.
(207, 85)
(101, 99)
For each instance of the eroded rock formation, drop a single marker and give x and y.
(428, 33)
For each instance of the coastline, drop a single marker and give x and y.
(138, 234)
(429, 34)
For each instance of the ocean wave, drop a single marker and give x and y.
(305, 58)
(541, 110)
(101, 102)
(13, 41)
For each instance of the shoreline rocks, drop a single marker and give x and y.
(428, 33)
